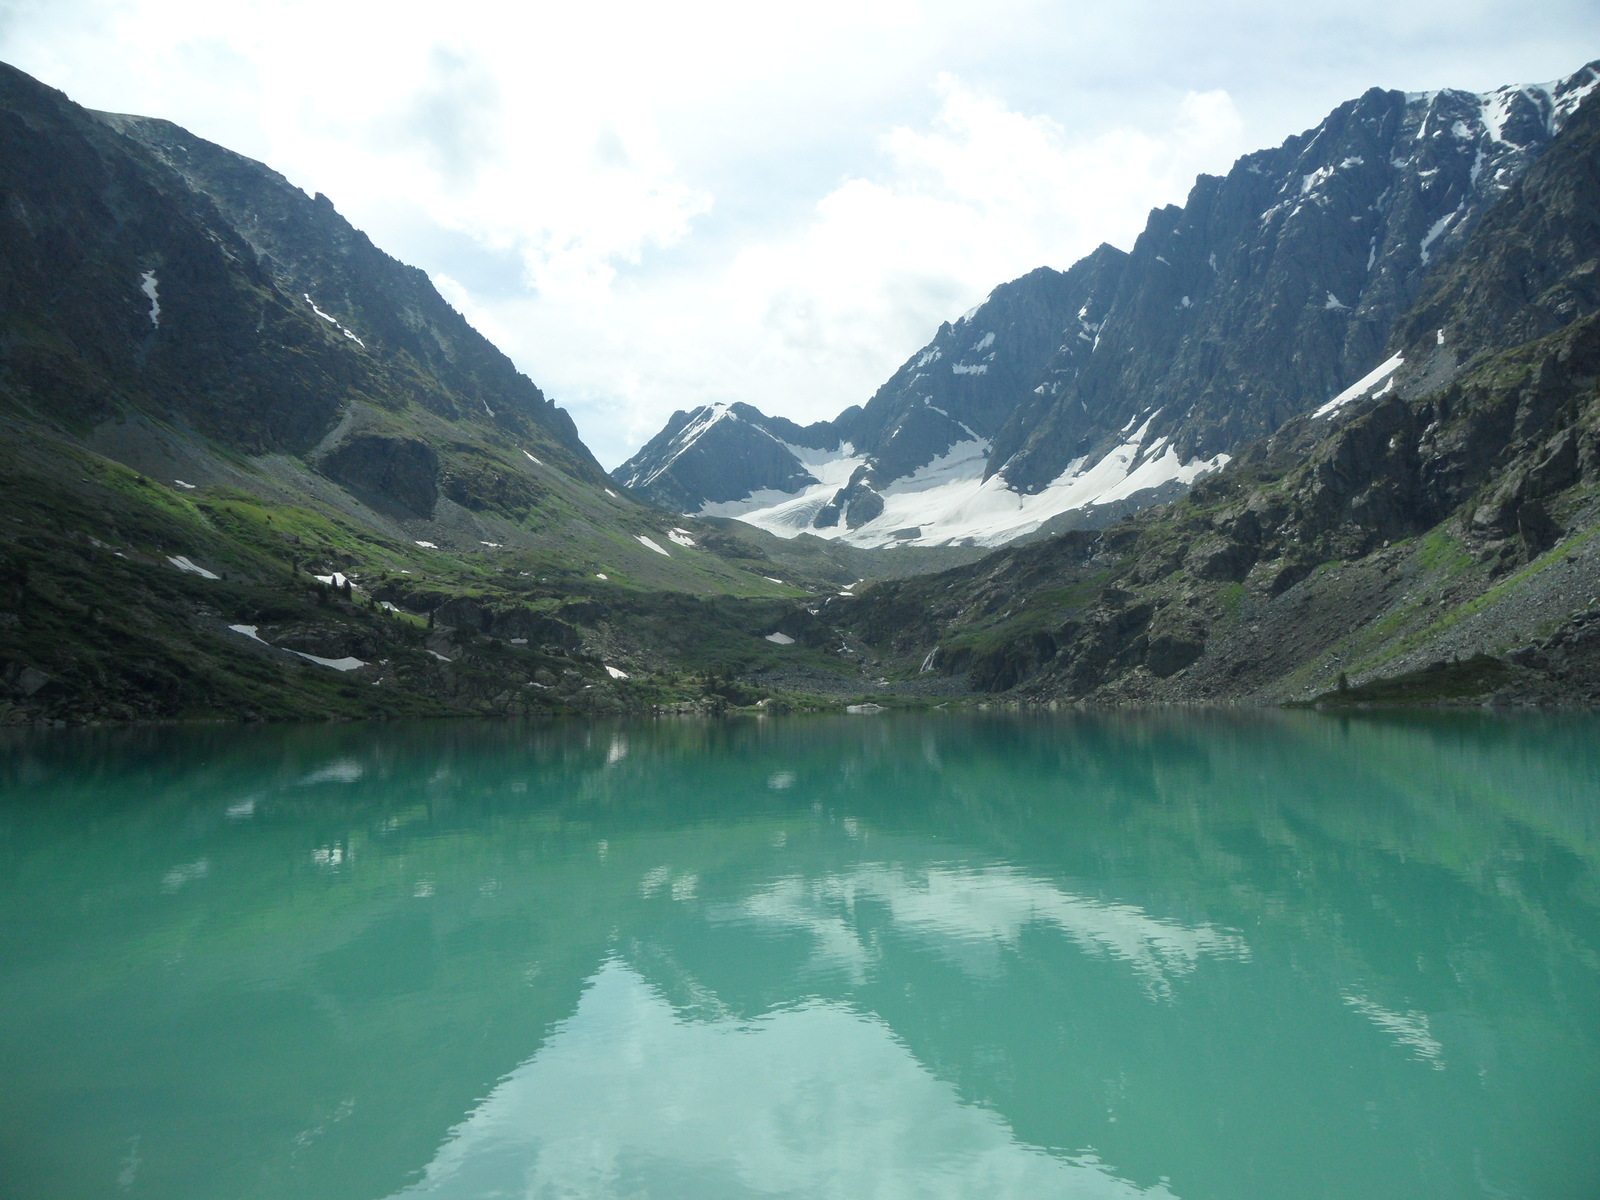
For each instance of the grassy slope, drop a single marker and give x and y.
(96, 623)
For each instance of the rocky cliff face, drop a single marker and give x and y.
(1113, 383)
(1274, 288)
(719, 453)
(415, 342)
(148, 274)
(1441, 531)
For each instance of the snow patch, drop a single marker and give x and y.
(148, 284)
(183, 564)
(533, 460)
(650, 544)
(1435, 233)
(949, 500)
(1310, 182)
(1493, 110)
(188, 487)
(338, 664)
(780, 639)
(965, 369)
(1335, 302)
(680, 537)
(789, 514)
(427, 545)
(1361, 386)
(334, 321)
(617, 673)
(982, 344)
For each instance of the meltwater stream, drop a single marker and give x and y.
(1206, 957)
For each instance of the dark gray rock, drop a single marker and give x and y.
(403, 472)
(716, 453)
(1277, 286)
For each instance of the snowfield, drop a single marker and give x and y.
(949, 501)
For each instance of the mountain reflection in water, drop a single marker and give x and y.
(1187, 955)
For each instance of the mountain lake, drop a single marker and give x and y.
(1210, 955)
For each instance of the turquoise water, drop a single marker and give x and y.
(1198, 956)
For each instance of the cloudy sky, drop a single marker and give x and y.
(653, 205)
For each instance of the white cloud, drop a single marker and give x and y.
(627, 1097)
(813, 316)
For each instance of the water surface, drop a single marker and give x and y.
(1195, 956)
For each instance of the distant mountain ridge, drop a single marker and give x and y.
(1068, 397)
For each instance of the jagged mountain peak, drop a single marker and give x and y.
(1067, 396)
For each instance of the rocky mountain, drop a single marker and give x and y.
(1434, 540)
(1068, 398)
(251, 464)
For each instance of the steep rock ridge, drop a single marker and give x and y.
(319, 260)
(1275, 287)
(1444, 536)
(1533, 269)
(188, 313)
(119, 286)
(965, 383)
(1070, 397)
(151, 280)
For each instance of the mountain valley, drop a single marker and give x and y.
(1328, 433)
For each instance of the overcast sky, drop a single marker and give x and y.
(654, 205)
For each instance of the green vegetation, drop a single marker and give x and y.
(98, 623)
(1042, 612)
(1440, 551)
(1438, 683)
